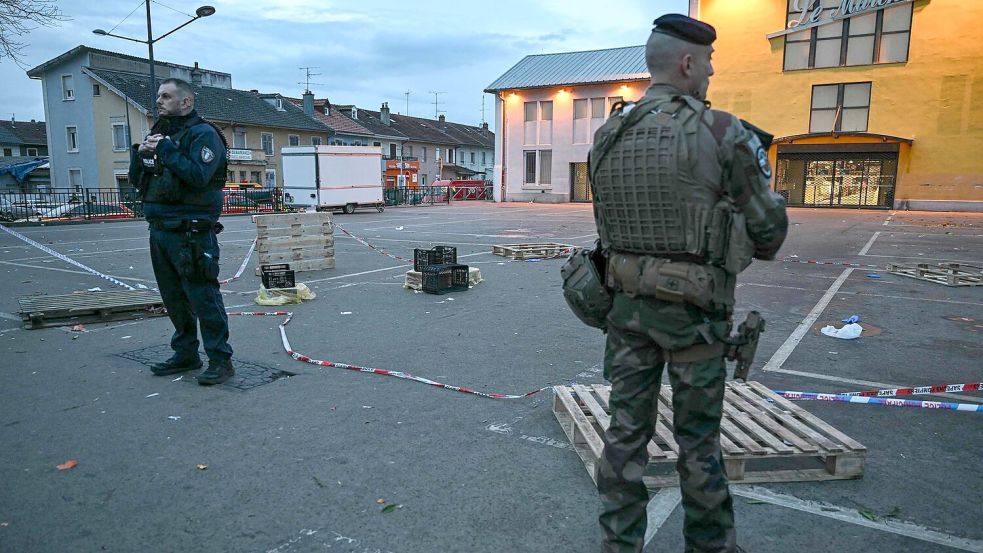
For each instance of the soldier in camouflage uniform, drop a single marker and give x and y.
(682, 203)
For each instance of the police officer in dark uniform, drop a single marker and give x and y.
(179, 171)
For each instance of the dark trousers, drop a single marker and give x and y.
(186, 269)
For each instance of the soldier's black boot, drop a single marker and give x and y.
(178, 363)
(216, 373)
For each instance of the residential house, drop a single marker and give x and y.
(547, 109)
(23, 139)
(98, 102)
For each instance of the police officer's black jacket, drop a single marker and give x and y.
(186, 177)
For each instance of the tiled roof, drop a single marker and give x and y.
(227, 105)
(418, 129)
(82, 49)
(23, 132)
(592, 66)
(338, 122)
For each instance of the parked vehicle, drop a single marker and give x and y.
(332, 177)
(13, 212)
(88, 210)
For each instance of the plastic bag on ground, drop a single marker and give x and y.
(283, 296)
(847, 332)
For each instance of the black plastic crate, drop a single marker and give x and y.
(445, 254)
(444, 278)
(277, 276)
(438, 255)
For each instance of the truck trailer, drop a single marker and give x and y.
(332, 177)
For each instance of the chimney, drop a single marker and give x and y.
(484, 125)
(309, 103)
(442, 120)
(384, 114)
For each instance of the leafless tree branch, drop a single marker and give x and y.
(20, 17)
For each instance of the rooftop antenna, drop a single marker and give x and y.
(407, 94)
(482, 109)
(436, 103)
(307, 79)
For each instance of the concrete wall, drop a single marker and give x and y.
(60, 113)
(935, 98)
(511, 140)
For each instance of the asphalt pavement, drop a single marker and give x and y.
(338, 460)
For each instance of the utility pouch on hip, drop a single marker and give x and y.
(665, 280)
(718, 232)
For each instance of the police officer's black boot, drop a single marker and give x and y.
(216, 373)
(178, 363)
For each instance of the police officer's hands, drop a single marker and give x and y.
(149, 145)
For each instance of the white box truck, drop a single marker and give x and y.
(332, 177)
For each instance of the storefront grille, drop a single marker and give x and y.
(841, 179)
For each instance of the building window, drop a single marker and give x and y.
(545, 122)
(407, 151)
(377, 143)
(840, 108)
(423, 179)
(530, 172)
(472, 158)
(279, 104)
(357, 143)
(8, 152)
(267, 143)
(230, 176)
(545, 166)
(255, 176)
(879, 36)
(423, 154)
(96, 91)
(392, 150)
(67, 87)
(75, 179)
(270, 178)
(450, 155)
(484, 160)
(315, 141)
(121, 138)
(72, 139)
(581, 123)
(239, 139)
(32, 152)
(293, 140)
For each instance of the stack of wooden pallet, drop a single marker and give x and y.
(304, 240)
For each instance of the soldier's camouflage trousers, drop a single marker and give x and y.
(633, 363)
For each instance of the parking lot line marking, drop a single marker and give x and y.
(864, 294)
(852, 516)
(785, 350)
(869, 243)
(659, 508)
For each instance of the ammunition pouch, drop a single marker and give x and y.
(583, 286)
(728, 244)
(677, 281)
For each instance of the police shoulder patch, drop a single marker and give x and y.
(763, 162)
(207, 155)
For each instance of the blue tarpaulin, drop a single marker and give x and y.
(21, 170)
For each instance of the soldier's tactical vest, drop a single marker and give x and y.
(657, 182)
(165, 187)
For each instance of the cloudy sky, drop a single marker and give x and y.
(366, 52)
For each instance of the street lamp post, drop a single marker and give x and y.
(203, 11)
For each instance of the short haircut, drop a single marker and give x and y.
(185, 88)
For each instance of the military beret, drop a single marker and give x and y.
(685, 28)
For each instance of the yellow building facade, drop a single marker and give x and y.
(873, 103)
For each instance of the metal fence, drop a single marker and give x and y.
(476, 192)
(110, 203)
(424, 195)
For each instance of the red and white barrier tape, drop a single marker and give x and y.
(880, 401)
(920, 390)
(380, 250)
(384, 372)
(65, 258)
(839, 263)
(242, 267)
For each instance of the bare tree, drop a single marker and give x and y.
(20, 17)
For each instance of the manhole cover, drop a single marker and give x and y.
(248, 375)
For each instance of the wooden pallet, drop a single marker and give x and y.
(304, 240)
(950, 274)
(531, 251)
(764, 437)
(414, 279)
(89, 307)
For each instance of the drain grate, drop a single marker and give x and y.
(248, 375)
